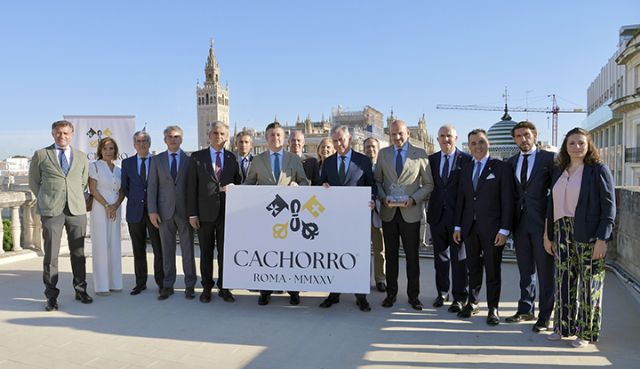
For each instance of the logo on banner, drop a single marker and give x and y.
(96, 135)
(308, 230)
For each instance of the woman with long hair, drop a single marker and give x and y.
(580, 219)
(325, 149)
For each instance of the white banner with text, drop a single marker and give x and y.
(90, 129)
(298, 238)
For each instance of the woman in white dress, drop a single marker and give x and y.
(104, 184)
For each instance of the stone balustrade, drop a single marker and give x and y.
(625, 248)
(26, 229)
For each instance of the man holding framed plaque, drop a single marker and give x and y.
(404, 181)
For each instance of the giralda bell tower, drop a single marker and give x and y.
(213, 100)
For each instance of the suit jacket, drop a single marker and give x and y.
(596, 210)
(52, 188)
(239, 161)
(358, 173)
(166, 196)
(491, 204)
(531, 203)
(204, 198)
(415, 178)
(134, 188)
(442, 202)
(312, 169)
(260, 172)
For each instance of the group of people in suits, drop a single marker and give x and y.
(558, 210)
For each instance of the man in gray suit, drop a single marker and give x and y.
(276, 167)
(244, 145)
(404, 182)
(166, 194)
(58, 175)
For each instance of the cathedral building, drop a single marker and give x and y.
(212, 99)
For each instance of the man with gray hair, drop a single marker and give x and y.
(309, 163)
(446, 166)
(134, 179)
(211, 170)
(167, 211)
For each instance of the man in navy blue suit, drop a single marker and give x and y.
(135, 172)
(532, 169)
(446, 166)
(484, 215)
(210, 171)
(346, 168)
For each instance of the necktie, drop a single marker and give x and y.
(341, 170)
(243, 165)
(398, 162)
(476, 175)
(445, 169)
(524, 170)
(276, 166)
(218, 165)
(174, 166)
(143, 171)
(64, 163)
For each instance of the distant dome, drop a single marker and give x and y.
(500, 133)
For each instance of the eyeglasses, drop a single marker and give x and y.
(142, 141)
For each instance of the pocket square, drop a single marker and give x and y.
(491, 176)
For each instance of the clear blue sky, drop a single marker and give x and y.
(287, 58)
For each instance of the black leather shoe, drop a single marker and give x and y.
(493, 318)
(468, 310)
(51, 305)
(226, 295)
(455, 307)
(363, 304)
(416, 304)
(520, 317)
(542, 325)
(165, 293)
(381, 287)
(330, 300)
(388, 301)
(264, 299)
(294, 299)
(137, 289)
(439, 301)
(83, 297)
(205, 296)
(189, 293)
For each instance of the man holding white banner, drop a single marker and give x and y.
(276, 167)
(353, 169)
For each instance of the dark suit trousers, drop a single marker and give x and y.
(138, 232)
(76, 226)
(481, 251)
(449, 256)
(211, 236)
(410, 233)
(531, 258)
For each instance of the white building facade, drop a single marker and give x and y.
(604, 118)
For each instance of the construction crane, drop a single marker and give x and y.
(554, 111)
